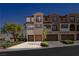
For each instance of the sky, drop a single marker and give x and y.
(16, 13)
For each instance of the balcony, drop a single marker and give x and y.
(30, 27)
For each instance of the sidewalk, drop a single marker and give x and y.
(59, 44)
(33, 45)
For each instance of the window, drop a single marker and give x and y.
(38, 25)
(28, 20)
(64, 25)
(72, 27)
(54, 27)
(48, 26)
(54, 19)
(63, 20)
(77, 19)
(46, 19)
(38, 19)
(72, 19)
(30, 27)
(77, 27)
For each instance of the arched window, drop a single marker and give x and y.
(77, 27)
(72, 27)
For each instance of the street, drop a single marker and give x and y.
(58, 51)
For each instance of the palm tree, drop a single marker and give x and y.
(45, 32)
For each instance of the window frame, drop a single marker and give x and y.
(70, 20)
(54, 18)
(38, 18)
(54, 26)
(64, 29)
(28, 19)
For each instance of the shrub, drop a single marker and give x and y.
(45, 40)
(44, 44)
(68, 41)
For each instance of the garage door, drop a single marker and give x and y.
(52, 37)
(67, 37)
(30, 37)
(38, 37)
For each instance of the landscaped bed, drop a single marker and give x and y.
(5, 44)
(44, 44)
(67, 41)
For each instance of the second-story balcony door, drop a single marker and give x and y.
(64, 27)
(38, 18)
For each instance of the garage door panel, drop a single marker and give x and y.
(67, 37)
(52, 37)
(38, 37)
(30, 37)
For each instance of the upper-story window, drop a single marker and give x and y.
(72, 19)
(77, 27)
(48, 26)
(63, 20)
(64, 27)
(54, 27)
(46, 19)
(54, 19)
(38, 25)
(72, 27)
(28, 20)
(77, 19)
(38, 18)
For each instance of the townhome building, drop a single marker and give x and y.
(34, 27)
(59, 27)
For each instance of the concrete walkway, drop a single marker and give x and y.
(59, 44)
(26, 45)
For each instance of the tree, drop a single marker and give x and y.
(45, 32)
(13, 29)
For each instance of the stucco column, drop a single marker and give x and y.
(27, 37)
(42, 37)
(34, 38)
(75, 37)
(59, 37)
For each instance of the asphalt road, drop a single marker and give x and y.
(59, 51)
